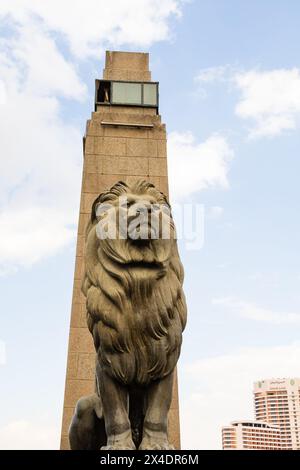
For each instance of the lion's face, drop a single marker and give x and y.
(134, 224)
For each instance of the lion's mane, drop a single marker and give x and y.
(136, 307)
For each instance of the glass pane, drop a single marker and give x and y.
(150, 94)
(127, 93)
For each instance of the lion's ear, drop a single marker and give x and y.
(94, 208)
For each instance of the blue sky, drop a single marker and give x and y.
(229, 78)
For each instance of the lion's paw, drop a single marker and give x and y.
(118, 447)
(124, 444)
(153, 444)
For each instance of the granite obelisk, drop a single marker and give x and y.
(124, 140)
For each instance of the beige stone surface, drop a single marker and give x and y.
(174, 427)
(128, 75)
(128, 115)
(76, 388)
(126, 166)
(133, 110)
(82, 223)
(64, 441)
(86, 365)
(158, 167)
(81, 340)
(112, 154)
(78, 315)
(127, 66)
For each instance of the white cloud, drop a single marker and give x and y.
(32, 234)
(40, 164)
(26, 435)
(257, 313)
(270, 98)
(215, 212)
(92, 25)
(219, 390)
(212, 74)
(41, 152)
(48, 72)
(193, 166)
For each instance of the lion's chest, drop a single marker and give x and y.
(140, 347)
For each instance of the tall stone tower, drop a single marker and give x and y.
(125, 140)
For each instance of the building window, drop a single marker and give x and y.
(127, 93)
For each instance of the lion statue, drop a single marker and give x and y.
(136, 312)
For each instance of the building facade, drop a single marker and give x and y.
(277, 401)
(251, 435)
(277, 419)
(125, 140)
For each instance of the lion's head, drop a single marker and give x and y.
(134, 280)
(134, 224)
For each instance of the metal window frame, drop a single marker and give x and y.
(97, 85)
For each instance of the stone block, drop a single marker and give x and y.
(129, 179)
(158, 132)
(80, 245)
(158, 167)
(89, 146)
(79, 268)
(90, 182)
(113, 114)
(76, 389)
(87, 200)
(91, 163)
(162, 148)
(82, 224)
(128, 75)
(137, 75)
(72, 365)
(78, 296)
(175, 402)
(64, 443)
(127, 132)
(110, 146)
(78, 315)
(163, 185)
(125, 166)
(133, 110)
(80, 340)
(141, 148)
(174, 428)
(94, 128)
(107, 181)
(119, 60)
(67, 416)
(86, 366)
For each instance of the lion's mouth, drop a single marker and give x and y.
(144, 233)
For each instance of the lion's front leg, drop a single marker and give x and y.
(117, 425)
(155, 431)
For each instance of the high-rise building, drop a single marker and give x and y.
(277, 401)
(277, 419)
(251, 435)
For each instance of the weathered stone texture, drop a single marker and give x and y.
(112, 153)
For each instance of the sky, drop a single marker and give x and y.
(229, 76)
